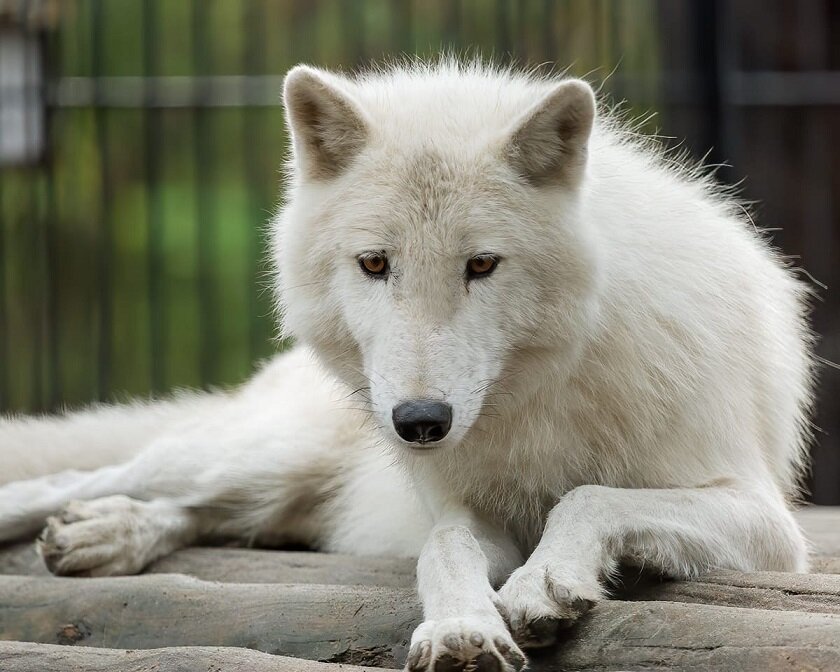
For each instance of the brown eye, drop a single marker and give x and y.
(482, 265)
(374, 264)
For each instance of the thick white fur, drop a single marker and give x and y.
(632, 382)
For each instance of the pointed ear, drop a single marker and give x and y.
(327, 127)
(548, 144)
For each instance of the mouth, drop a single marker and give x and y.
(424, 447)
(419, 446)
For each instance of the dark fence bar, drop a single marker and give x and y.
(105, 253)
(203, 147)
(52, 46)
(5, 360)
(253, 130)
(153, 145)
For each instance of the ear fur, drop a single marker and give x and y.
(327, 126)
(548, 144)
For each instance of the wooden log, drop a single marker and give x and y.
(352, 624)
(371, 626)
(814, 593)
(669, 635)
(28, 657)
(21, 559)
(762, 590)
(239, 565)
(236, 565)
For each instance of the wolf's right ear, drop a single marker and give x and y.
(327, 126)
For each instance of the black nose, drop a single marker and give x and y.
(422, 420)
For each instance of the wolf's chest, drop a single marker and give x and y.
(514, 493)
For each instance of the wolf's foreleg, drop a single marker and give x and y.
(24, 505)
(461, 560)
(680, 532)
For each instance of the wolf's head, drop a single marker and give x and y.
(432, 249)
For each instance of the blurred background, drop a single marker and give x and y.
(140, 142)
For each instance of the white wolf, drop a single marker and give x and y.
(531, 346)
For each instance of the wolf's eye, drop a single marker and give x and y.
(373, 264)
(481, 266)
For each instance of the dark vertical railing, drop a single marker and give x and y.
(401, 27)
(38, 270)
(202, 146)
(452, 26)
(52, 52)
(820, 240)
(503, 42)
(28, 230)
(725, 37)
(709, 38)
(5, 358)
(254, 62)
(549, 43)
(154, 211)
(352, 14)
(106, 233)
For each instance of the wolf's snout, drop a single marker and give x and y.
(422, 420)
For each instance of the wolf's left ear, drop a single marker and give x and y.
(548, 144)
(327, 126)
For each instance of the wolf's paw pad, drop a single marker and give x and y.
(92, 538)
(538, 604)
(463, 645)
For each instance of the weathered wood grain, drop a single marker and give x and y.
(237, 565)
(668, 635)
(28, 657)
(813, 593)
(353, 624)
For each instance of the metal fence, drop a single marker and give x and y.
(132, 219)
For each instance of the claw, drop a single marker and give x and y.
(464, 645)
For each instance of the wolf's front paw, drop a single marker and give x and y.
(456, 644)
(538, 603)
(93, 538)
